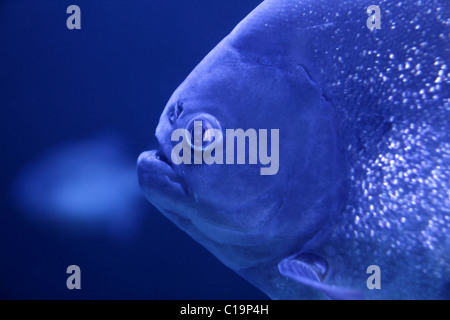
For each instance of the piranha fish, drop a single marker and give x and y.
(364, 152)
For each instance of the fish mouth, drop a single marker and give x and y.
(166, 190)
(159, 181)
(161, 156)
(155, 159)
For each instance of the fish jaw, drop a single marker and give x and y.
(160, 183)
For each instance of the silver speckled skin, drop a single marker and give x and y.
(393, 90)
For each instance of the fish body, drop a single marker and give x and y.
(364, 151)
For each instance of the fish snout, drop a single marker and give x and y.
(157, 179)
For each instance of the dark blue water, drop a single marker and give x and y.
(113, 77)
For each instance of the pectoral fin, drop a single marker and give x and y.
(310, 269)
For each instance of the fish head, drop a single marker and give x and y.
(241, 215)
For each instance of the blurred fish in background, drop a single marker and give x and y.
(87, 186)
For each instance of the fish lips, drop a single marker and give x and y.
(159, 182)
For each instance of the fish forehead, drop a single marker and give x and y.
(230, 87)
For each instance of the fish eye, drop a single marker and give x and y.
(198, 128)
